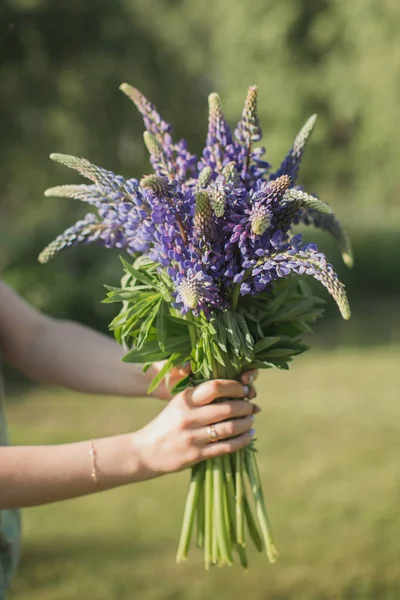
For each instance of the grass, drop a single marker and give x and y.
(329, 450)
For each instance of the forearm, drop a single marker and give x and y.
(74, 356)
(36, 475)
(63, 353)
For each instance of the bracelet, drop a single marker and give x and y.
(94, 476)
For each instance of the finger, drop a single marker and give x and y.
(227, 446)
(184, 370)
(252, 392)
(218, 388)
(220, 411)
(248, 377)
(224, 430)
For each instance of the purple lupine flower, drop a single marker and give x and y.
(84, 231)
(213, 223)
(196, 291)
(180, 162)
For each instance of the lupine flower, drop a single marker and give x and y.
(223, 213)
(291, 164)
(196, 291)
(84, 231)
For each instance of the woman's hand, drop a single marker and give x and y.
(191, 428)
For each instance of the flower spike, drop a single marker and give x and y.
(291, 163)
(157, 156)
(86, 230)
(97, 174)
(152, 120)
(248, 129)
(218, 129)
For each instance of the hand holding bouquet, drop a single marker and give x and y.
(214, 279)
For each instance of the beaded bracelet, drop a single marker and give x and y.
(94, 476)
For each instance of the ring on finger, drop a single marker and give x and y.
(212, 433)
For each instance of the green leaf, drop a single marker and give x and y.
(173, 360)
(282, 296)
(221, 333)
(291, 311)
(211, 326)
(265, 343)
(217, 354)
(278, 353)
(233, 332)
(139, 275)
(248, 338)
(181, 385)
(152, 352)
(260, 364)
(282, 352)
(161, 325)
(139, 312)
(147, 325)
(131, 294)
(281, 364)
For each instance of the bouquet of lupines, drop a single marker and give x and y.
(214, 279)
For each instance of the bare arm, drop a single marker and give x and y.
(64, 353)
(175, 439)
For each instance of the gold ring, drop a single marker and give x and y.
(213, 435)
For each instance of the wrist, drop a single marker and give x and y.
(139, 455)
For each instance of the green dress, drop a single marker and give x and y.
(10, 524)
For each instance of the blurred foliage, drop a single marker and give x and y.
(60, 68)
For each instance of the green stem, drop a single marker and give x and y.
(238, 458)
(214, 541)
(265, 526)
(235, 296)
(192, 330)
(208, 507)
(189, 515)
(231, 506)
(252, 526)
(224, 545)
(200, 507)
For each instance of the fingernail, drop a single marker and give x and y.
(246, 390)
(252, 432)
(250, 377)
(252, 417)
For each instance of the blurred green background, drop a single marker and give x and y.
(60, 67)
